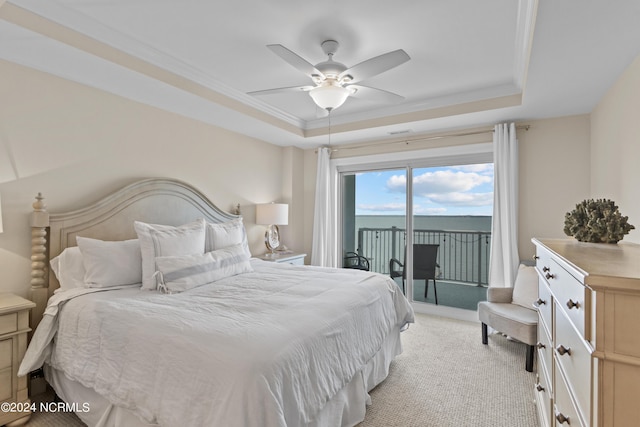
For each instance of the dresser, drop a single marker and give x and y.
(14, 326)
(588, 365)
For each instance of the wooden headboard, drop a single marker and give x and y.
(156, 201)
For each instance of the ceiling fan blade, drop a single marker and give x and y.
(374, 66)
(295, 60)
(375, 95)
(281, 90)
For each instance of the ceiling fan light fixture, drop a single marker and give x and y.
(329, 97)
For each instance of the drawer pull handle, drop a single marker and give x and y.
(562, 419)
(562, 350)
(571, 304)
(545, 269)
(540, 302)
(540, 345)
(536, 257)
(550, 276)
(539, 387)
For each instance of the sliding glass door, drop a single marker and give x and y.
(428, 227)
(374, 217)
(452, 208)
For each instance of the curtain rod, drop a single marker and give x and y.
(424, 138)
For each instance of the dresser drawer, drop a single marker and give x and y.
(544, 303)
(543, 260)
(570, 294)
(573, 355)
(8, 323)
(565, 412)
(543, 398)
(545, 349)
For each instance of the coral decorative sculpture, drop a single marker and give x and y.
(596, 221)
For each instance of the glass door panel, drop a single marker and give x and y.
(374, 220)
(452, 208)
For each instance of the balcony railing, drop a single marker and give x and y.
(463, 256)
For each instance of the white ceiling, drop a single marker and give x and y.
(472, 62)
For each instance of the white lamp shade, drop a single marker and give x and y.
(272, 213)
(329, 97)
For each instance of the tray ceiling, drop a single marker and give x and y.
(472, 63)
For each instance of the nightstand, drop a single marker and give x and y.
(295, 259)
(14, 326)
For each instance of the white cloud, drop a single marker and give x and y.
(443, 181)
(384, 207)
(462, 199)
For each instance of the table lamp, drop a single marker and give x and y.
(273, 215)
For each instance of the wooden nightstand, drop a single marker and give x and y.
(295, 259)
(14, 326)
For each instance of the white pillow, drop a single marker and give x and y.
(164, 240)
(110, 263)
(226, 234)
(525, 290)
(181, 273)
(68, 268)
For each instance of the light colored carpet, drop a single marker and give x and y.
(445, 377)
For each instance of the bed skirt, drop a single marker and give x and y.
(346, 408)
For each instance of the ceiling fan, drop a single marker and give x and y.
(334, 82)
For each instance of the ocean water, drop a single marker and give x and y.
(423, 222)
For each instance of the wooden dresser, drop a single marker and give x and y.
(14, 326)
(588, 333)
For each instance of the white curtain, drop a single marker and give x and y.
(504, 258)
(323, 250)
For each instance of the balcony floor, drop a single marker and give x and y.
(451, 294)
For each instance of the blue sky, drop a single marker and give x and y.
(453, 190)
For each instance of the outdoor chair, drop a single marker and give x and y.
(511, 311)
(354, 260)
(424, 267)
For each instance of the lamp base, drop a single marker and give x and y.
(272, 238)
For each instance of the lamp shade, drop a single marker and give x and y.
(329, 96)
(272, 213)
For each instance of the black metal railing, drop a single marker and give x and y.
(463, 256)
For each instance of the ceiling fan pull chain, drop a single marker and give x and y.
(329, 116)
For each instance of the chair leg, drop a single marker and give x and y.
(484, 334)
(435, 290)
(529, 362)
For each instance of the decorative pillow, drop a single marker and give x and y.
(226, 234)
(180, 273)
(110, 263)
(68, 268)
(525, 290)
(164, 240)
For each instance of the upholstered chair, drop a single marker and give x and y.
(510, 310)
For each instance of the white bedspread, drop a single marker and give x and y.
(267, 348)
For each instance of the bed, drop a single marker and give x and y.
(213, 338)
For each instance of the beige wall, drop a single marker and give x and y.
(554, 176)
(76, 144)
(615, 147)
